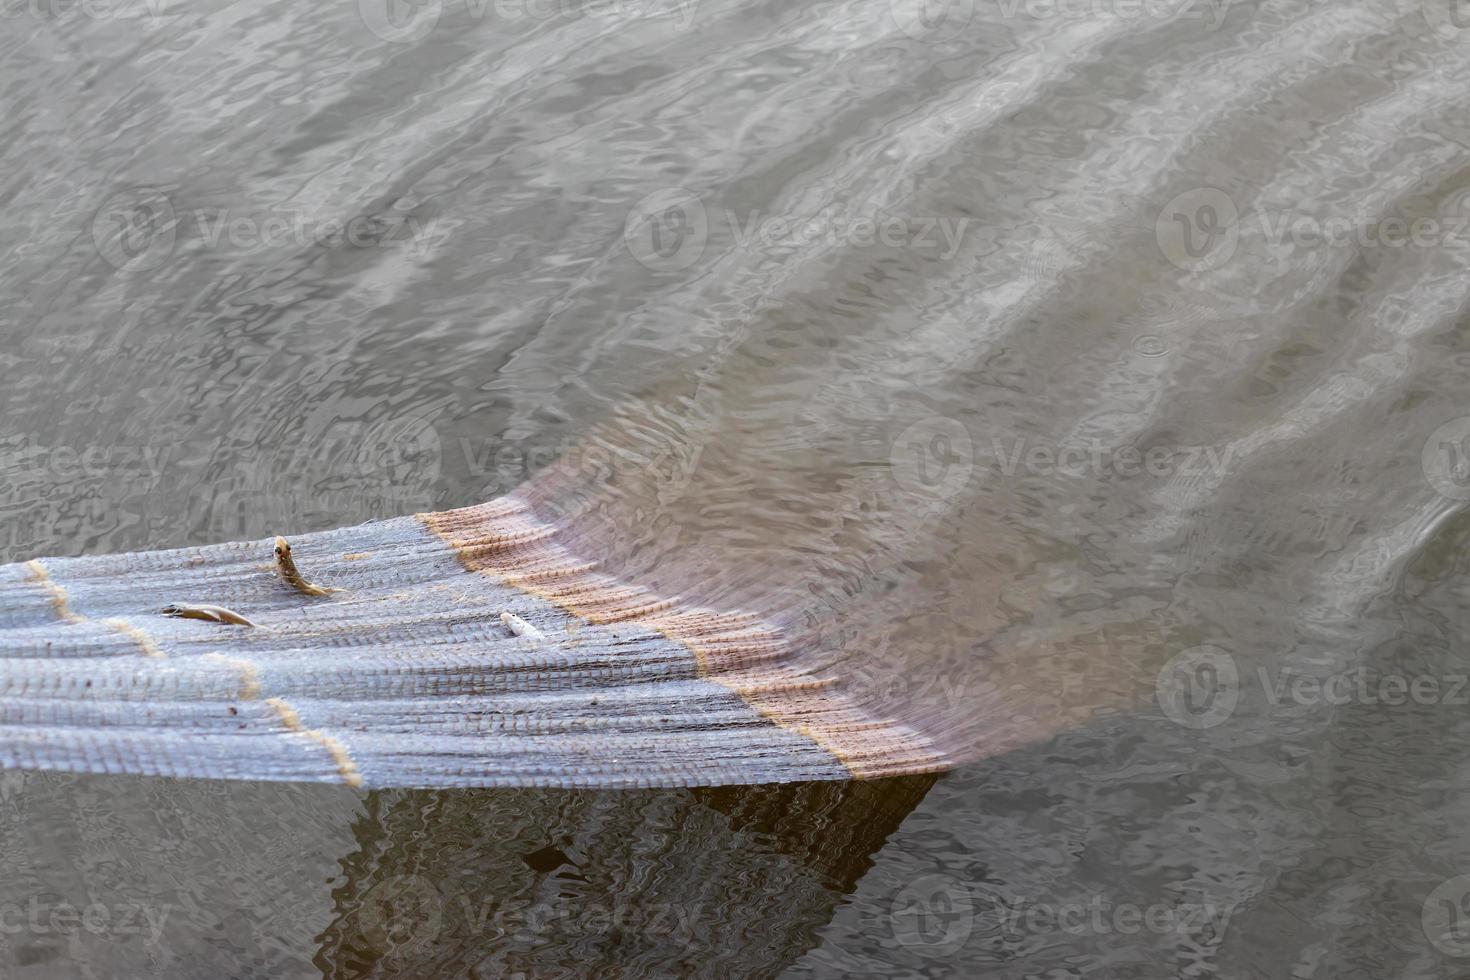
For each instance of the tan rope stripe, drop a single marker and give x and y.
(292, 722)
(136, 634)
(289, 718)
(62, 604)
(59, 600)
(249, 676)
(734, 650)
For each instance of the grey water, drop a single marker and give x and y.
(1097, 368)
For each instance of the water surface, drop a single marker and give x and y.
(1088, 378)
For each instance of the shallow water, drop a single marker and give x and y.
(1090, 376)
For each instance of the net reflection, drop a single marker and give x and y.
(647, 883)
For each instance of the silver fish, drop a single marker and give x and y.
(212, 614)
(520, 627)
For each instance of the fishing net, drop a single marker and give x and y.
(409, 677)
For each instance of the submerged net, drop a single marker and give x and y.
(409, 677)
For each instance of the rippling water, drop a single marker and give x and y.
(1088, 376)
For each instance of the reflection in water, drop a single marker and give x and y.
(932, 449)
(578, 883)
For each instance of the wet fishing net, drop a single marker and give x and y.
(409, 676)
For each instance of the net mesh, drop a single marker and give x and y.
(409, 677)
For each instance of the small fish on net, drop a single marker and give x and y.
(461, 648)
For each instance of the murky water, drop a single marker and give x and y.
(1087, 377)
